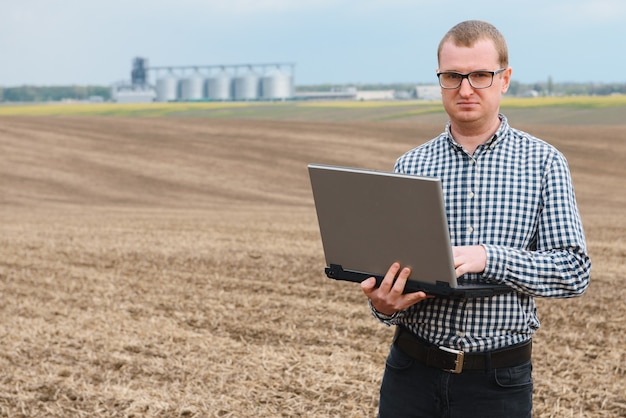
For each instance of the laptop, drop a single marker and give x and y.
(369, 219)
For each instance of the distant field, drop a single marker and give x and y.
(165, 260)
(571, 110)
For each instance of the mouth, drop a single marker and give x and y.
(467, 104)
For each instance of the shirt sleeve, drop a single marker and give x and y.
(559, 266)
(388, 320)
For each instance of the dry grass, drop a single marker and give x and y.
(172, 267)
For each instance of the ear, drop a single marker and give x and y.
(506, 79)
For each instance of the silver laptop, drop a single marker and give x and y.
(369, 219)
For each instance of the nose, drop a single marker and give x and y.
(465, 88)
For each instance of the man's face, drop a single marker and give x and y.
(467, 105)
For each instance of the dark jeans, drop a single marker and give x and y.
(410, 389)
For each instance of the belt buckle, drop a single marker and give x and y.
(458, 362)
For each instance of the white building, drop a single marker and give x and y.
(427, 92)
(130, 94)
(375, 95)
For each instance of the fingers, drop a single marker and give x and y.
(368, 285)
(469, 259)
(460, 260)
(460, 263)
(459, 269)
(389, 297)
(416, 297)
(400, 282)
(390, 278)
(392, 282)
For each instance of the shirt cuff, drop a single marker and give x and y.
(388, 320)
(495, 267)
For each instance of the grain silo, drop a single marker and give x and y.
(220, 86)
(266, 81)
(192, 87)
(167, 89)
(276, 85)
(247, 86)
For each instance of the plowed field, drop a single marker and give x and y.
(172, 267)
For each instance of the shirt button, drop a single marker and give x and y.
(470, 229)
(471, 194)
(460, 334)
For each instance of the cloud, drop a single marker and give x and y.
(602, 11)
(581, 12)
(249, 7)
(44, 41)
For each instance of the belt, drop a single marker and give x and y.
(455, 361)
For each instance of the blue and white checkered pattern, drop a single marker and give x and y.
(515, 197)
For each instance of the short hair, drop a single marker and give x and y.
(467, 33)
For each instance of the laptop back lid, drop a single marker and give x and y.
(369, 219)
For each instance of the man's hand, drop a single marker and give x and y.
(388, 298)
(469, 259)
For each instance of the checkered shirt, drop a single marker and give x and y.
(515, 197)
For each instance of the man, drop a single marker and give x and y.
(513, 219)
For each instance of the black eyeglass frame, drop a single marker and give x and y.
(467, 75)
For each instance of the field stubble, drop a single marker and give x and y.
(172, 267)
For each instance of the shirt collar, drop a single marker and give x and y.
(497, 137)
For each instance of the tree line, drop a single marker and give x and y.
(54, 93)
(103, 93)
(548, 88)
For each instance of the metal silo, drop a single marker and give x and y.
(220, 86)
(192, 87)
(276, 85)
(247, 86)
(167, 89)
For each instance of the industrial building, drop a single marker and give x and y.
(426, 92)
(240, 82)
(350, 93)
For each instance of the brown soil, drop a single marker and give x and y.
(172, 267)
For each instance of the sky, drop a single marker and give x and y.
(93, 42)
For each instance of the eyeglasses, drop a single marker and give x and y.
(477, 79)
